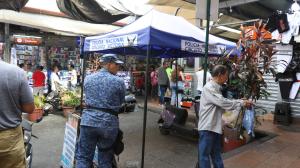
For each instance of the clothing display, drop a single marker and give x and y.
(283, 56)
(282, 23)
(284, 26)
(285, 83)
(295, 87)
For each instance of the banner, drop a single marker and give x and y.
(68, 153)
(113, 42)
(197, 47)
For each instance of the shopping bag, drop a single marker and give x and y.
(248, 121)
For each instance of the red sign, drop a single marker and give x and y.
(188, 77)
(28, 41)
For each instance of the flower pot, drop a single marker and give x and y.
(68, 110)
(36, 115)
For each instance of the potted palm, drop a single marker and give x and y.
(70, 100)
(39, 102)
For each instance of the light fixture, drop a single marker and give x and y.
(295, 6)
(229, 29)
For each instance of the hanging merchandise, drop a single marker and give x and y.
(284, 56)
(285, 83)
(295, 87)
(282, 23)
(284, 26)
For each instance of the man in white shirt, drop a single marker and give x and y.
(212, 106)
(73, 75)
(54, 78)
(199, 77)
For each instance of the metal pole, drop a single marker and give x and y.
(145, 106)
(176, 80)
(82, 56)
(206, 40)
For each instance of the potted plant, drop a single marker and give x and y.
(39, 102)
(70, 100)
(246, 73)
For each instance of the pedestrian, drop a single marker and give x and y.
(212, 106)
(73, 75)
(54, 78)
(154, 83)
(104, 95)
(163, 81)
(16, 97)
(177, 85)
(38, 78)
(199, 77)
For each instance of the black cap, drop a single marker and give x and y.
(110, 58)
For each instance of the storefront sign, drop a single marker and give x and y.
(114, 42)
(28, 40)
(68, 153)
(196, 47)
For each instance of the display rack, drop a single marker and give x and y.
(27, 54)
(64, 56)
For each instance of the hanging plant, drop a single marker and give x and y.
(257, 50)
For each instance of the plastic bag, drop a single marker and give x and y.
(248, 121)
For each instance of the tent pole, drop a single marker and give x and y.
(145, 106)
(176, 70)
(206, 40)
(82, 80)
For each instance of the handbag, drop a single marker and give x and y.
(233, 133)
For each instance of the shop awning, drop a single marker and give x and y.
(58, 25)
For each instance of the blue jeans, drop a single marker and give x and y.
(163, 90)
(210, 148)
(89, 138)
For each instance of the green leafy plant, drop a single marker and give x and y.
(70, 99)
(39, 101)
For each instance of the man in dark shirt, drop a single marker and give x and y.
(104, 95)
(16, 97)
(163, 81)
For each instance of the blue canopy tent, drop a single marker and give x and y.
(157, 35)
(167, 36)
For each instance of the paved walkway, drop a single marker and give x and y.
(281, 151)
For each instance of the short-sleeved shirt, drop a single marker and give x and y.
(106, 91)
(14, 91)
(38, 78)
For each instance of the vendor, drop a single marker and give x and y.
(73, 75)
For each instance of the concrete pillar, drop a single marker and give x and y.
(7, 43)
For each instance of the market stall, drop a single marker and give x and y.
(157, 35)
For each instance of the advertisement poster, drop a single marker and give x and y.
(188, 83)
(68, 153)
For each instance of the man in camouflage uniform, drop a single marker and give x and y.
(104, 95)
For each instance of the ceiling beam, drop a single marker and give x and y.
(227, 4)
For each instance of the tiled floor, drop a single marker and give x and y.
(282, 151)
